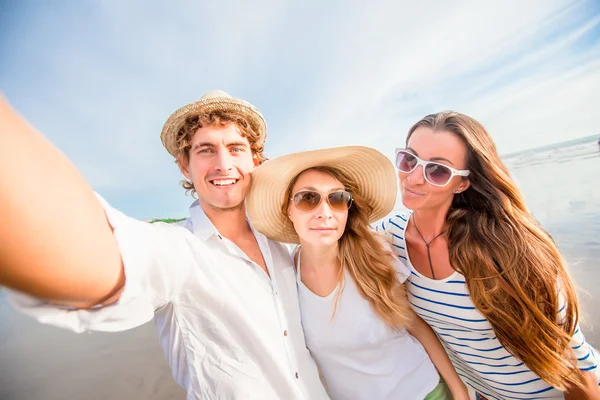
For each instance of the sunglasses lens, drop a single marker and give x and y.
(437, 174)
(340, 201)
(405, 162)
(306, 201)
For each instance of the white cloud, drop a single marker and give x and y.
(403, 65)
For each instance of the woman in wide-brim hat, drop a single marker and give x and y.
(356, 318)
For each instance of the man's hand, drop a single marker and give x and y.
(55, 241)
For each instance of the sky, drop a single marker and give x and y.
(99, 78)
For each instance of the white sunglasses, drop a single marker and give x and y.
(437, 174)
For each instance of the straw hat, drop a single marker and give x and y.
(373, 173)
(216, 100)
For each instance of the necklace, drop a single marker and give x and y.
(427, 245)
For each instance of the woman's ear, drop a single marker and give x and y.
(464, 185)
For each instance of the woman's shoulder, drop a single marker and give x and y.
(387, 240)
(395, 222)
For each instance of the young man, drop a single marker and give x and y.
(222, 295)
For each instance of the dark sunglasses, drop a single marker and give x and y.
(307, 200)
(435, 173)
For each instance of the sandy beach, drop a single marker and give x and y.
(39, 362)
(44, 363)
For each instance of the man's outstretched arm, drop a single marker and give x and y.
(55, 240)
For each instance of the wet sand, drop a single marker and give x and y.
(563, 193)
(39, 362)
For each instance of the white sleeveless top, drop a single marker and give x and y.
(359, 356)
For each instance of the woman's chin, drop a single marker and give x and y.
(320, 241)
(411, 203)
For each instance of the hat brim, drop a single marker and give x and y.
(373, 174)
(174, 123)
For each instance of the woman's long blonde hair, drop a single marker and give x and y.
(514, 271)
(361, 253)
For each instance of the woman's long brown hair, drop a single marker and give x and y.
(513, 269)
(362, 255)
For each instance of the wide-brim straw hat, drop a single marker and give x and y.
(216, 100)
(373, 174)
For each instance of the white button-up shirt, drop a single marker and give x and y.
(227, 329)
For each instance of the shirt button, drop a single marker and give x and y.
(284, 333)
(296, 375)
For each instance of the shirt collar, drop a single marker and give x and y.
(204, 228)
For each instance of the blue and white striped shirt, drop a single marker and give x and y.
(479, 358)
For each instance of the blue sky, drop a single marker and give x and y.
(99, 78)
